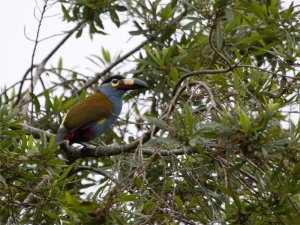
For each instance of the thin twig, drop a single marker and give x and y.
(32, 83)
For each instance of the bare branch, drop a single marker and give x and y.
(36, 132)
(99, 151)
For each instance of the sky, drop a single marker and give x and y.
(17, 18)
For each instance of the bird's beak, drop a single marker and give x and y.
(131, 84)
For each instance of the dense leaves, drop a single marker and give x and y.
(219, 126)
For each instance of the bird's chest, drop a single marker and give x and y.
(117, 105)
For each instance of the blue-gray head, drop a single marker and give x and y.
(118, 85)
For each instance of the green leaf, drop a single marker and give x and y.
(138, 181)
(66, 172)
(233, 23)
(253, 37)
(125, 198)
(219, 35)
(60, 65)
(166, 12)
(72, 200)
(36, 103)
(274, 8)
(174, 73)
(106, 55)
(148, 206)
(244, 120)
(30, 142)
(179, 201)
(66, 13)
(281, 142)
(79, 33)
(120, 8)
(69, 103)
(98, 22)
(56, 105)
(157, 122)
(54, 216)
(48, 103)
(189, 118)
(114, 17)
(2, 180)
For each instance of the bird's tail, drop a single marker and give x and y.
(61, 133)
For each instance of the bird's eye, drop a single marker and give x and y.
(114, 82)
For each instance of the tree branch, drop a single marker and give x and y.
(100, 151)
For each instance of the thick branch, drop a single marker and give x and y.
(101, 151)
(83, 152)
(36, 132)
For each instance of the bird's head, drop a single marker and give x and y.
(118, 85)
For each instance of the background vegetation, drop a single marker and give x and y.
(215, 140)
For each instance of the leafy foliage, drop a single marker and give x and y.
(220, 124)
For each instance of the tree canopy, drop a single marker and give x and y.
(214, 140)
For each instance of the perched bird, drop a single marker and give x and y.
(93, 115)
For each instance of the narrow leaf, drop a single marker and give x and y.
(244, 121)
(219, 36)
(157, 122)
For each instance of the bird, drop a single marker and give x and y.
(92, 116)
